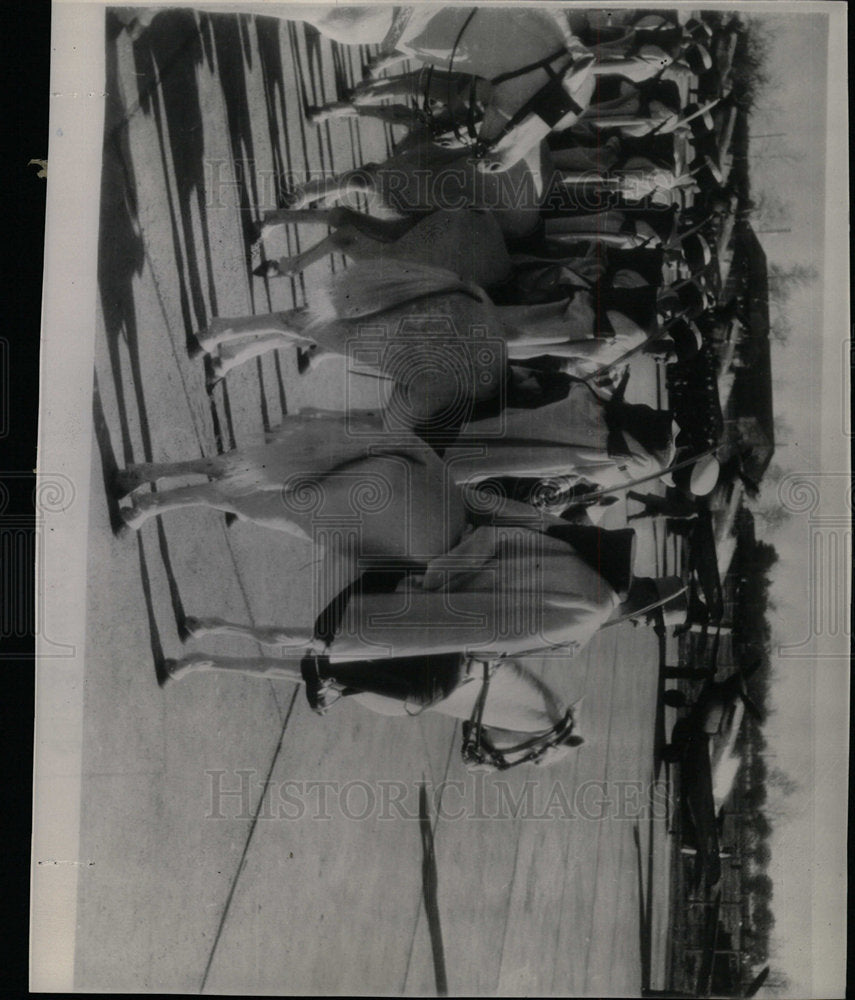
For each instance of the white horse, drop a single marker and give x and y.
(391, 502)
(346, 25)
(540, 74)
(421, 177)
(432, 91)
(388, 291)
(467, 242)
(437, 340)
(526, 720)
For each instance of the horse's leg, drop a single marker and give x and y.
(151, 504)
(379, 64)
(327, 341)
(338, 217)
(272, 220)
(222, 330)
(334, 111)
(196, 628)
(391, 114)
(232, 355)
(286, 266)
(133, 476)
(404, 85)
(357, 235)
(366, 97)
(331, 188)
(287, 668)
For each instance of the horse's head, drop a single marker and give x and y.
(487, 748)
(535, 108)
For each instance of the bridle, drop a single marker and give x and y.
(479, 750)
(479, 148)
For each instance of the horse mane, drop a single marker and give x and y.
(371, 287)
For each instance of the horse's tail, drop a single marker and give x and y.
(369, 288)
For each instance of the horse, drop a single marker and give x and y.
(467, 242)
(329, 662)
(535, 73)
(521, 718)
(468, 349)
(421, 177)
(435, 339)
(345, 25)
(425, 94)
(539, 73)
(388, 501)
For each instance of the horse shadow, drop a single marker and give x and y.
(166, 58)
(232, 48)
(121, 258)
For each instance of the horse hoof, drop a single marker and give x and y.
(268, 269)
(315, 115)
(189, 628)
(122, 483)
(133, 518)
(297, 199)
(165, 671)
(122, 531)
(304, 361)
(194, 347)
(674, 698)
(169, 669)
(256, 232)
(291, 199)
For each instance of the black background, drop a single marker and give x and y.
(25, 66)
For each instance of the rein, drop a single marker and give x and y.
(479, 147)
(479, 749)
(470, 123)
(553, 87)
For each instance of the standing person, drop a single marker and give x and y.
(565, 429)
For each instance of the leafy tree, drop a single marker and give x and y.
(769, 211)
(761, 854)
(781, 781)
(749, 74)
(783, 281)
